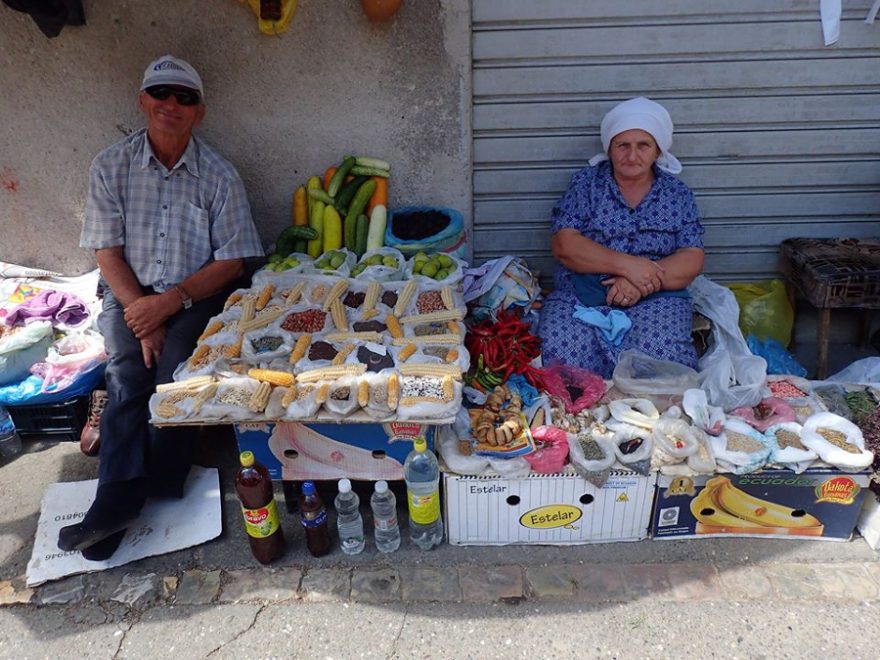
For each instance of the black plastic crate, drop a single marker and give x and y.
(58, 421)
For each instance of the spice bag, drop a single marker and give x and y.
(342, 396)
(591, 456)
(708, 418)
(305, 404)
(833, 397)
(633, 447)
(263, 346)
(424, 397)
(551, 450)
(637, 412)
(837, 441)
(455, 447)
(232, 399)
(383, 393)
(740, 448)
(674, 441)
(578, 388)
(786, 448)
(768, 412)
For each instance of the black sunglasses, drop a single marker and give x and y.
(183, 96)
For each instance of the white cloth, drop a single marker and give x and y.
(830, 11)
(644, 114)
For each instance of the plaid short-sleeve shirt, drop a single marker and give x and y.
(171, 222)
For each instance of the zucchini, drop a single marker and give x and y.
(332, 229)
(319, 195)
(357, 206)
(346, 193)
(376, 234)
(339, 175)
(314, 183)
(288, 238)
(360, 243)
(378, 163)
(316, 222)
(360, 170)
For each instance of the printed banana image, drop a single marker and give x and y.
(722, 507)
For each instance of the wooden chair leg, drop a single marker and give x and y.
(822, 342)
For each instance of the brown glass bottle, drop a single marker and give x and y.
(314, 520)
(254, 488)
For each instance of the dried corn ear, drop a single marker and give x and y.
(425, 369)
(213, 328)
(335, 292)
(406, 352)
(323, 393)
(260, 397)
(446, 296)
(343, 353)
(264, 297)
(434, 317)
(233, 299)
(289, 396)
(451, 355)
(300, 348)
(363, 393)
(372, 296)
(394, 326)
(273, 376)
(337, 313)
(295, 293)
(403, 299)
(248, 309)
(347, 336)
(393, 391)
(331, 373)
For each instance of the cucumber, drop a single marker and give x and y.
(360, 245)
(339, 176)
(288, 238)
(359, 170)
(376, 234)
(378, 163)
(319, 195)
(301, 246)
(346, 193)
(357, 206)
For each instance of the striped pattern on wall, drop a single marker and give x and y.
(779, 136)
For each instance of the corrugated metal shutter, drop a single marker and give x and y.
(779, 136)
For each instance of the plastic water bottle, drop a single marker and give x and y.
(10, 441)
(348, 519)
(422, 474)
(385, 526)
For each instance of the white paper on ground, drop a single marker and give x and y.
(164, 526)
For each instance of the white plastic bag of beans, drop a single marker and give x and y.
(786, 447)
(740, 448)
(837, 441)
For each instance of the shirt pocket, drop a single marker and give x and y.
(192, 248)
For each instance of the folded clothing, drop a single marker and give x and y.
(50, 305)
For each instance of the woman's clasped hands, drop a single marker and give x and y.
(641, 278)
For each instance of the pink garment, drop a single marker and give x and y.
(50, 305)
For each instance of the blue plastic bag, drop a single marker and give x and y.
(28, 392)
(779, 360)
(451, 240)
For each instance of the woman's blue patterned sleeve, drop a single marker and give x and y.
(691, 233)
(572, 209)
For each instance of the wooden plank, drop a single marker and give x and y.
(735, 111)
(493, 11)
(580, 146)
(613, 82)
(699, 176)
(713, 206)
(784, 36)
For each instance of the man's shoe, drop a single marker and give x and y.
(82, 535)
(90, 438)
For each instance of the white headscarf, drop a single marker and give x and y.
(643, 114)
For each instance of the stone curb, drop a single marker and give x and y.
(593, 583)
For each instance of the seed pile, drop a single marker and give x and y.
(322, 350)
(369, 326)
(266, 344)
(341, 393)
(742, 442)
(354, 299)
(430, 301)
(592, 450)
(374, 361)
(426, 329)
(379, 395)
(214, 354)
(837, 439)
(235, 396)
(785, 389)
(422, 386)
(860, 403)
(629, 446)
(310, 320)
(787, 439)
(389, 298)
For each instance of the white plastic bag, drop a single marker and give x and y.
(702, 461)
(729, 373)
(730, 458)
(639, 459)
(640, 375)
(674, 441)
(380, 272)
(23, 347)
(861, 372)
(857, 459)
(638, 412)
(708, 418)
(450, 437)
(594, 470)
(791, 457)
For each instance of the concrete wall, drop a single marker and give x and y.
(280, 108)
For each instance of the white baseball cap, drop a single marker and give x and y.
(170, 70)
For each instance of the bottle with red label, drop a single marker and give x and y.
(254, 488)
(314, 520)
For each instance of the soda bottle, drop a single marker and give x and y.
(254, 488)
(10, 441)
(348, 519)
(422, 474)
(314, 520)
(385, 526)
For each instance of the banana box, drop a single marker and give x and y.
(816, 504)
(547, 509)
(295, 451)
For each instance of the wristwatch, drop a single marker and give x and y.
(185, 299)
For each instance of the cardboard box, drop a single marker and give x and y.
(295, 451)
(817, 504)
(554, 509)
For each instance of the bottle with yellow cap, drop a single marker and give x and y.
(422, 474)
(254, 488)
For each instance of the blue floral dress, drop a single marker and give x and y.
(665, 221)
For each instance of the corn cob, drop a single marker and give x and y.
(261, 321)
(393, 391)
(260, 398)
(201, 351)
(264, 297)
(359, 336)
(363, 393)
(300, 348)
(336, 290)
(331, 373)
(370, 313)
(272, 376)
(213, 328)
(394, 326)
(406, 352)
(337, 313)
(427, 339)
(372, 296)
(413, 400)
(452, 326)
(446, 297)
(204, 396)
(425, 369)
(343, 353)
(403, 299)
(167, 410)
(233, 299)
(295, 293)
(317, 294)
(289, 396)
(452, 355)
(434, 317)
(323, 393)
(248, 309)
(448, 388)
(233, 350)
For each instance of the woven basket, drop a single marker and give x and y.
(834, 272)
